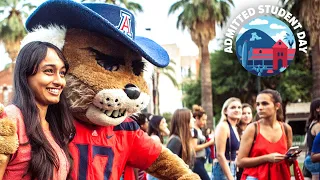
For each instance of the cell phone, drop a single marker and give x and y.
(293, 151)
(297, 152)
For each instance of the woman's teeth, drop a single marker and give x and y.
(53, 91)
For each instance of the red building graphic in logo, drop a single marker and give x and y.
(278, 53)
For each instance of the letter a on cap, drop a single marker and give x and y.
(125, 24)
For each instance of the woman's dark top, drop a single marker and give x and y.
(175, 145)
(234, 145)
(310, 137)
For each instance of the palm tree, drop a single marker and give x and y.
(134, 7)
(200, 18)
(308, 12)
(290, 39)
(11, 27)
(167, 71)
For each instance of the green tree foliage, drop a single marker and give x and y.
(199, 17)
(168, 117)
(308, 12)
(191, 93)
(11, 27)
(231, 79)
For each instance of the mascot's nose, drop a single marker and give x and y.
(132, 91)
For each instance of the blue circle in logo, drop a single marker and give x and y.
(265, 46)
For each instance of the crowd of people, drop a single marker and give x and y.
(238, 148)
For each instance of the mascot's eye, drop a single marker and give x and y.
(138, 67)
(112, 68)
(108, 66)
(106, 61)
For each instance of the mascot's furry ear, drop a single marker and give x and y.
(8, 137)
(53, 34)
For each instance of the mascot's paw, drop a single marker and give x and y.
(169, 166)
(189, 177)
(1, 109)
(8, 137)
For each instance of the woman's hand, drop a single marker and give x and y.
(211, 142)
(291, 159)
(275, 157)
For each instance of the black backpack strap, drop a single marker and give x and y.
(285, 130)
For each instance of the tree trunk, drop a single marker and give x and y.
(12, 49)
(155, 91)
(316, 69)
(284, 110)
(157, 107)
(206, 84)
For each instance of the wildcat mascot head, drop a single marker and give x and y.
(105, 83)
(105, 80)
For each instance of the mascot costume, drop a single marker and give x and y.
(105, 83)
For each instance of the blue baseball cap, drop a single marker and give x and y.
(109, 20)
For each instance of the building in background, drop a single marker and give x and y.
(297, 115)
(170, 97)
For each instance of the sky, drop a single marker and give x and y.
(163, 26)
(272, 26)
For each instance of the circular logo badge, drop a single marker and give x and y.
(265, 46)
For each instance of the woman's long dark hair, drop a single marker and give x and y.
(154, 123)
(180, 126)
(276, 98)
(43, 157)
(240, 131)
(314, 114)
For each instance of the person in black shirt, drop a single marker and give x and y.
(180, 135)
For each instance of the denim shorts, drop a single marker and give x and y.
(217, 173)
(149, 177)
(314, 168)
(251, 178)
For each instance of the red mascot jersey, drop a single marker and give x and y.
(101, 152)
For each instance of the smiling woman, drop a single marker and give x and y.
(227, 140)
(48, 80)
(39, 108)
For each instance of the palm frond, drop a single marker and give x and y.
(4, 4)
(173, 62)
(172, 79)
(168, 69)
(179, 4)
(30, 6)
(135, 7)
